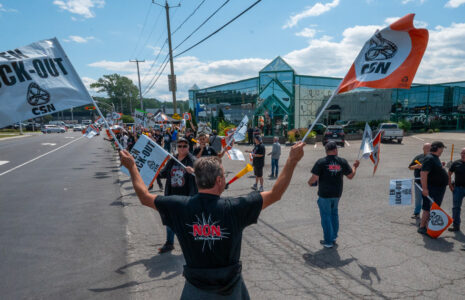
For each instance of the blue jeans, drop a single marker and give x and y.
(274, 166)
(169, 236)
(329, 218)
(459, 193)
(418, 200)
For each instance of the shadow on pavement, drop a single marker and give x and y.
(326, 258)
(366, 271)
(166, 264)
(459, 236)
(439, 244)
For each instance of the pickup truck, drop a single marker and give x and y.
(391, 132)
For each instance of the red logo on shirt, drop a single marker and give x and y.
(334, 168)
(207, 230)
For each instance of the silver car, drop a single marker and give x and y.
(52, 128)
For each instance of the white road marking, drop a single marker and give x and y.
(347, 143)
(23, 164)
(2, 162)
(48, 144)
(417, 138)
(69, 137)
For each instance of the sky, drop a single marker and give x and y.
(320, 38)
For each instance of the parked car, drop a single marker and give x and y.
(33, 126)
(78, 127)
(52, 128)
(319, 128)
(334, 133)
(391, 132)
(349, 126)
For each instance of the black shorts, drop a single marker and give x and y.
(435, 192)
(258, 171)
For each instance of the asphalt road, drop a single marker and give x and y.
(379, 255)
(63, 232)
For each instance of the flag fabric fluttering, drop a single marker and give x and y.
(91, 131)
(38, 80)
(235, 154)
(241, 130)
(139, 117)
(389, 59)
(439, 220)
(366, 148)
(149, 157)
(374, 156)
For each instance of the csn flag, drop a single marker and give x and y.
(374, 156)
(241, 130)
(38, 80)
(389, 59)
(439, 220)
(366, 148)
(149, 157)
(139, 117)
(235, 154)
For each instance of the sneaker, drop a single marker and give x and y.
(254, 187)
(422, 230)
(454, 229)
(166, 248)
(261, 188)
(415, 216)
(323, 242)
(328, 246)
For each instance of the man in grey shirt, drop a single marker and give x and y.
(275, 154)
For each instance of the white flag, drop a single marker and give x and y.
(91, 131)
(239, 134)
(38, 80)
(235, 154)
(150, 158)
(367, 142)
(139, 117)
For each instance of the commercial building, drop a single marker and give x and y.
(278, 99)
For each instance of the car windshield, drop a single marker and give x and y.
(389, 126)
(334, 129)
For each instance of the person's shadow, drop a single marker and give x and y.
(159, 267)
(438, 244)
(366, 271)
(326, 258)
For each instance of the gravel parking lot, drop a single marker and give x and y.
(379, 253)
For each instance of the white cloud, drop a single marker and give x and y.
(79, 39)
(454, 3)
(307, 32)
(408, 1)
(80, 7)
(312, 11)
(3, 9)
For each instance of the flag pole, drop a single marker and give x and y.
(418, 186)
(320, 113)
(106, 123)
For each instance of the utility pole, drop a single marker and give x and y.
(172, 77)
(138, 77)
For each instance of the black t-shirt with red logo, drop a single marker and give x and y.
(209, 229)
(178, 181)
(331, 170)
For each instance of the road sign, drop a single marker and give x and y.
(176, 117)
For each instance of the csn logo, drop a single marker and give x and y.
(39, 98)
(380, 49)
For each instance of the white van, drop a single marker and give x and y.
(58, 123)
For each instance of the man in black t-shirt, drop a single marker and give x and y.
(415, 165)
(204, 149)
(434, 181)
(190, 136)
(209, 227)
(328, 172)
(250, 135)
(258, 154)
(179, 181)
(457, 188)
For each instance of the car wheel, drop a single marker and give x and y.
(399, 141)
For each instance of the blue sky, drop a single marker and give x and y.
(319, 37)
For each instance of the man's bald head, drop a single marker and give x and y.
(426, 148)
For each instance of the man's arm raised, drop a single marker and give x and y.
(142, 192)
(270, 197)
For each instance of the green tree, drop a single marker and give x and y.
(121, 91)
(221, 115)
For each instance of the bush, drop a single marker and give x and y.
(291, 136)
(430, 130)
(406, 126)
(127, 119)
(436, 130)
(224, 126)
(435, 124)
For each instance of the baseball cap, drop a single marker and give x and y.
(330, 146)
(182, 140)
(437, 145)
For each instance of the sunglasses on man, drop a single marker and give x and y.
(183, 146)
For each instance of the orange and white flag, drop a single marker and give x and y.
(439, 220)
(389, 59)
(374, 156)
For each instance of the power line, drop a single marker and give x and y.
(161, 69)
(195, 10)
(142, 30)
(150, 34)
(206, 20)
(155, 61)
(219, 29)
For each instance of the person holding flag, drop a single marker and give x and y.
(328, 172)
(434, 180)
(210, 227)
(415, 166)
(179, 181)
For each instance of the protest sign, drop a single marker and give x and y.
(149, 157)
(38, 80)
(400, 192)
